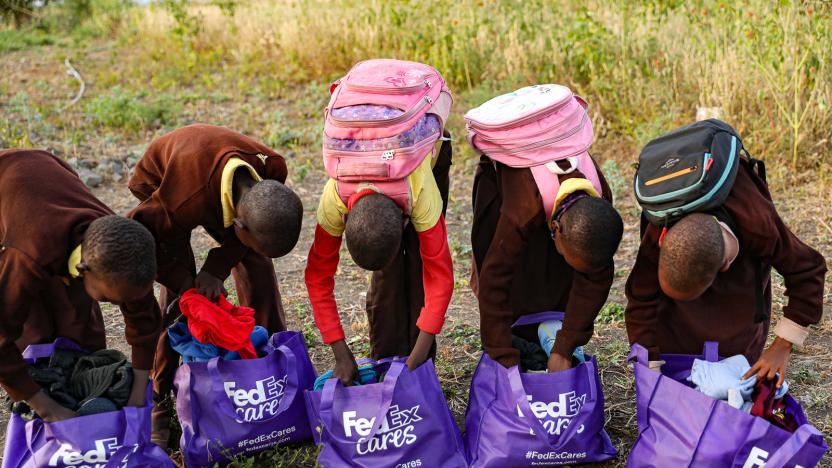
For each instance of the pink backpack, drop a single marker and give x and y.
(383, 119)
(542, 127)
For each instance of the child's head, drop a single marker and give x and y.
(118, 260)
(692, 253)
(374, 231)
(269, 218)
(587, 234)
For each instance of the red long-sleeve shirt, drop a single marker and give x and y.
(437, 277)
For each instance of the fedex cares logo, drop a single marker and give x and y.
(757, 459)
(95, 458)
(257, 403)
(396, 429)
(556, 415)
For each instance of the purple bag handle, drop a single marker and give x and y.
(387, 389)
(711, 351)
(538, 317)
(638, 353)
(224, 403)
(793, 446)
(518, 393)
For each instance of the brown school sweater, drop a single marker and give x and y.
(178, 183)
(725, 312)
(45, 210)
(519, 271)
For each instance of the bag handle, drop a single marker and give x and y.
(224, 403)
(711, 351)
(638, 354)
(518, 393)
(793, 446)
(388, 387)
(538, 317)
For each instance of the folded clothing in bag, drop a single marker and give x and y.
(222, 324)
(723, 380)
(86, 383)
(191, 350)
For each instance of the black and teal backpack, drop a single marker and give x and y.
(692, 170)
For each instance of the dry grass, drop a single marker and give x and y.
(645, 66)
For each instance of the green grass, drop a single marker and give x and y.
(611, 312)
(128, 110)
(12, 40)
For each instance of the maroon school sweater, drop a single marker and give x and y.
(725, 312)
(519, 271)
(178, 183)
(45, 210)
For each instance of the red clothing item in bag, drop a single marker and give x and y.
(771, 409)
(224, 324)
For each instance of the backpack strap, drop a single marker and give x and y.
(547, 178)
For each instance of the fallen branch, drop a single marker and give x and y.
(71, 71)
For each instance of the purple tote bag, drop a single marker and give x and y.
(568, 409)
(680, 426)
(106, 440)
(227, 408)
(403, 421)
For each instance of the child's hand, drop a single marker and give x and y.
(558, 363)
(48, 409)
(773, 361)
(345, 368)
(421, 350)
(209, 286)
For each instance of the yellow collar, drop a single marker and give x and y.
(74, 260)
(227, 186)
(570, 186)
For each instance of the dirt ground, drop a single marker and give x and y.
(804, 206)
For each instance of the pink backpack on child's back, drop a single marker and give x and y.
(383, 119)
(543, 127)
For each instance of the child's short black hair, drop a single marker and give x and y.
(374, 231)
(592, 229)
(273, 214)
(121, 250)
(692, 252)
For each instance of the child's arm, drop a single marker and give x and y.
(643, 294)
(587, 296)
(765, 236)
(218, 265)
(321, 266)
(142, 327)
(438, 280)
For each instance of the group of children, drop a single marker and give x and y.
(63, 251)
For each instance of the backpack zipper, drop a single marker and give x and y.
(538, 144)
(672, 175)
(385, 155)
(426, 83)
(517, 123)
(425, 100)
